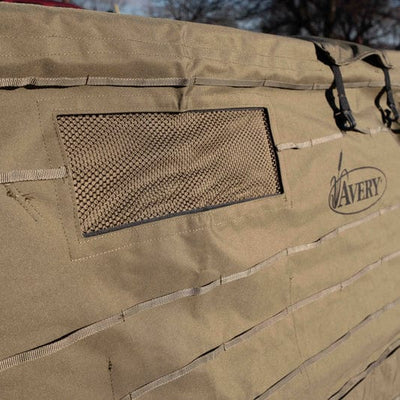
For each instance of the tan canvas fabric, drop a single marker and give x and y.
(289, 296)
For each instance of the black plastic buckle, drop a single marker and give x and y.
(390, 99)
(349, 120)
(394, 110)
(344, 117)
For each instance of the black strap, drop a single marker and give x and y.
(348, 121)
(389, 93)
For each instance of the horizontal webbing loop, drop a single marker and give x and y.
(33, 175)
(69, 339)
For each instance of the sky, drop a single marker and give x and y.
(134, 7)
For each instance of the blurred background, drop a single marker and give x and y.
(372, 22)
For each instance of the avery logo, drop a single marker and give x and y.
(356, 190)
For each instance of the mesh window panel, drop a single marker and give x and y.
(132, 168)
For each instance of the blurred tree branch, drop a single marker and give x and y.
(206, 11)
(370, 22)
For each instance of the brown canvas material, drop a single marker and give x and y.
(291, 296)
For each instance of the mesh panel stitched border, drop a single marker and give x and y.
(131, 168)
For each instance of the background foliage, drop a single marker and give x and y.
(371, 22)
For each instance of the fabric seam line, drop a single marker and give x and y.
(96, 327)
(266, 324)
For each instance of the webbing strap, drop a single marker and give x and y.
(346, 118)
(389, 93)
(32, 175)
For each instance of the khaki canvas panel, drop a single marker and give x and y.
(195, 212)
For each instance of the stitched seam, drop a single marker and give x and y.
(355, 380)
(72, 195)
(177, 81)
(86, 97)
(190, 45)
(132, 243)
(259, 328)
(322, 140)
(275, 132)
(166, 55)
(77, 229)
(32, 175)
(58, 203)
(109, 322)
(327, 350)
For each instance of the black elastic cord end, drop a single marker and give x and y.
(389, 93)
(345, 117)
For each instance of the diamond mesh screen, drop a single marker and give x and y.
(131, 168)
